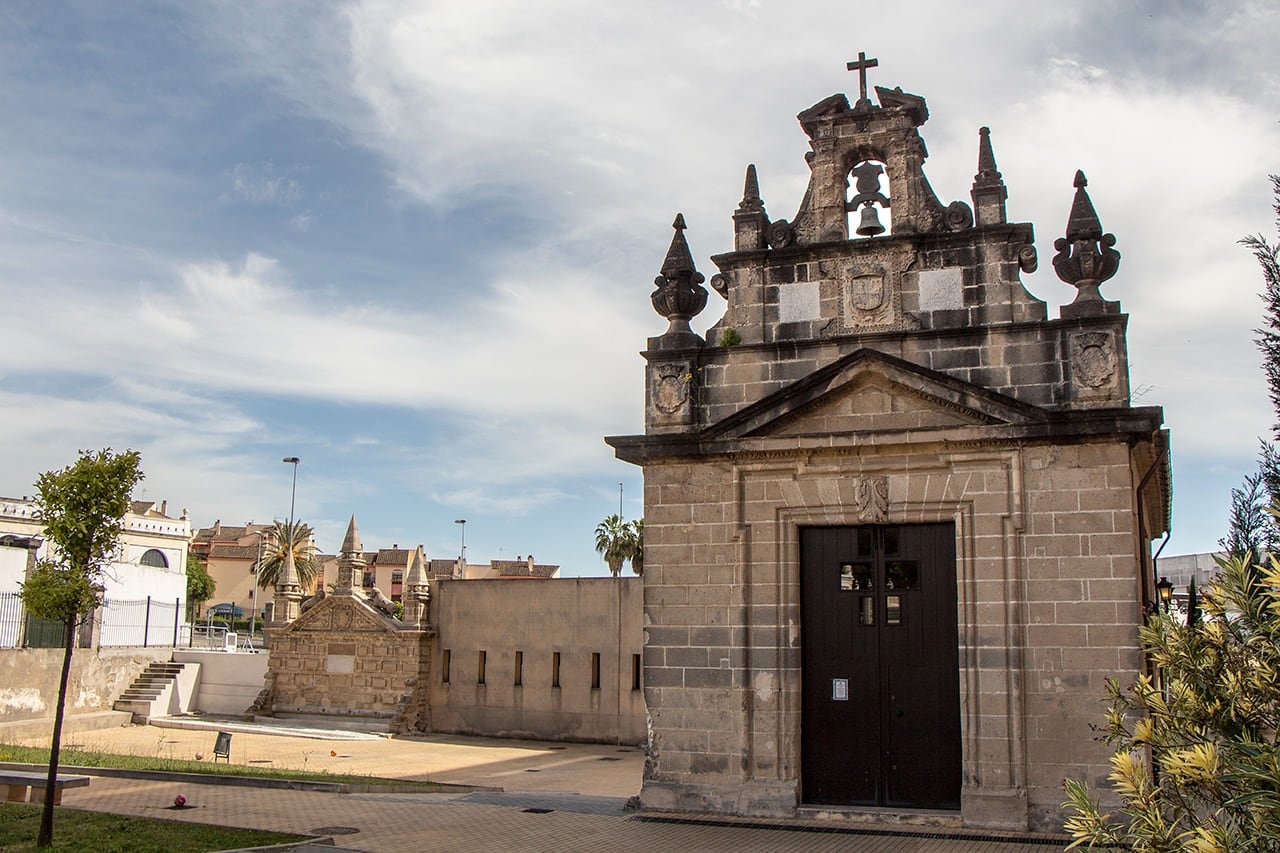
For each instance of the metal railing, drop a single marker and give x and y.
(119, 623)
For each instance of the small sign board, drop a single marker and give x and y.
(840, 689)
(222, 747)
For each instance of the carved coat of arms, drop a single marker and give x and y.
(671, 388)
(1093, 359)
(866, 292)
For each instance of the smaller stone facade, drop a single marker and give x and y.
(345, 658)
(517, 655)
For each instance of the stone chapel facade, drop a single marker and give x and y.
(897, 519)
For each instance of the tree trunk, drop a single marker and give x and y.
(45, 838)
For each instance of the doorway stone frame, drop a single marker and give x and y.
(980, 491)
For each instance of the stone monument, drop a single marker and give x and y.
(897, 519)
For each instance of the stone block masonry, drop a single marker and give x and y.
(885, 384)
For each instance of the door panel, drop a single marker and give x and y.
(878, 610)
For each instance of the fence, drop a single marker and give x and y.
(120, 623)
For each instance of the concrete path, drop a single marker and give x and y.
(554, 797)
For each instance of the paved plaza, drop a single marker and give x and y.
(528, 796)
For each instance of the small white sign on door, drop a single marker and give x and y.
(840, 689)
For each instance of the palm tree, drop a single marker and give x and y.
(635, 545)
(613, 542)
(274, 549)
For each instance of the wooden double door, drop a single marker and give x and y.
(880, 701)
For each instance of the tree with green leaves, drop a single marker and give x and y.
(612, 542)
(200, 585)
(1266, 489)
(283, 537)
(82, 509)
(635, 545)
(1197, 760)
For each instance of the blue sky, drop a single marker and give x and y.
(412, 243)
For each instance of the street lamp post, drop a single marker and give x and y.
(292, 460)
(463, 556)
(1165, 589)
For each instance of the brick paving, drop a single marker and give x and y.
(573, 802)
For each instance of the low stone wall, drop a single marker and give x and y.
(551, 659)
(29, 679)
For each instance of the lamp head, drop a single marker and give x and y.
(1165, 588)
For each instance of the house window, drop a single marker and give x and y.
(635, 672)
(445, 660)
(480, 667)
(519, 669)
(397, 577)
(154, 558)
(555, 669)
(595, 670)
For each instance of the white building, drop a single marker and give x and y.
(147, 578)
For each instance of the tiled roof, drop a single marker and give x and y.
(392, 556)
(231, 551)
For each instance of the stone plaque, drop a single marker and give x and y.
(941, 290)
(340, 664)
(799, 302)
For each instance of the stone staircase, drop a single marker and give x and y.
(159, 691)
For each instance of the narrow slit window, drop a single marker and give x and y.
(480, 667)
(445, 660)
(595, 670)
(635, 672)
(519, 667)
(555, 669)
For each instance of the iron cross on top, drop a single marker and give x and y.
(861, 64)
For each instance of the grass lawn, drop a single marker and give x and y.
(108, 833)
(84, 758)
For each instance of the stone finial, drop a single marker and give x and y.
(750, 224)
(988, 192)
(1085, 256)
(351, 543)
(988, 174)
(750, 192)
(350, 562)
(288, 592)
(680, 294)
(417, 592)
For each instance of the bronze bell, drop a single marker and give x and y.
(870, 225)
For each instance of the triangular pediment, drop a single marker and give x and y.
(868, 391)
(345, 613)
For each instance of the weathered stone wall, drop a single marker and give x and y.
(538, 619)
(1047, 570)
(344, 658)
(29, 679)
